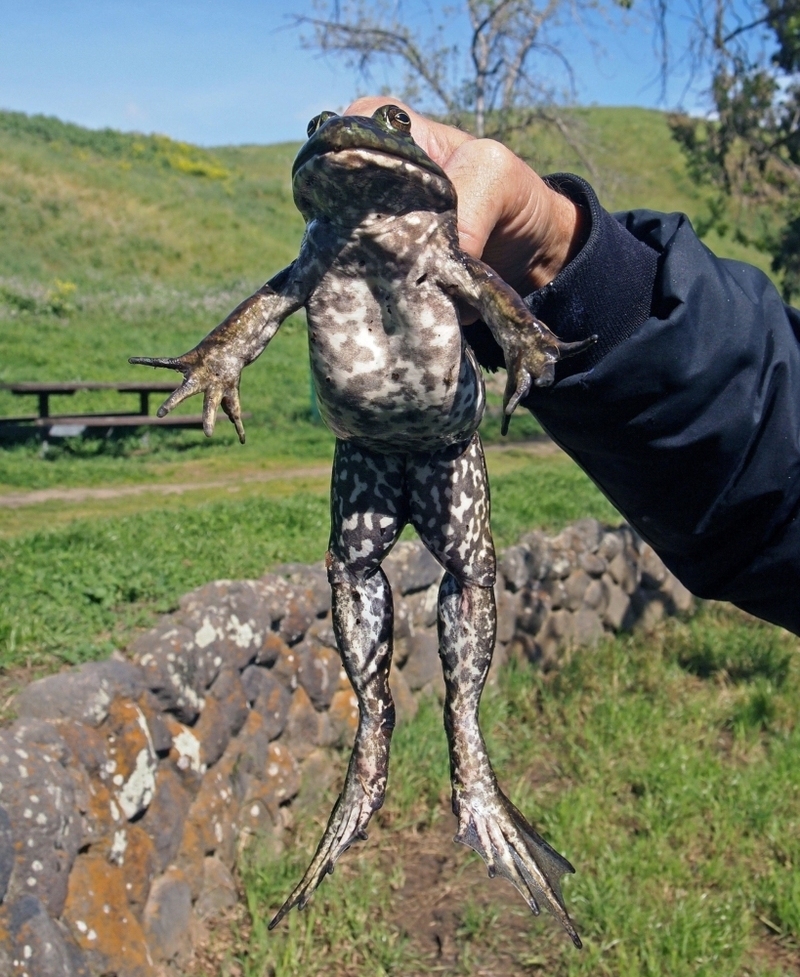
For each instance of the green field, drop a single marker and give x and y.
(664, 765)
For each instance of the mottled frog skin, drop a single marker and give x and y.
(381, 275)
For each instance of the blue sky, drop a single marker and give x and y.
(228, 71)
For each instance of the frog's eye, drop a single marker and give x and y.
(398, 118)
(318, 121)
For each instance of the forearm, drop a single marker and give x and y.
(686, 412)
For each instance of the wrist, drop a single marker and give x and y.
(563, 231)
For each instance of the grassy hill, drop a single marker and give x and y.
(113, 244)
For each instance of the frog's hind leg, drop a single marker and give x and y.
(450, 510)
(367, 513)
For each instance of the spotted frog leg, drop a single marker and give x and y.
(214, 366)
(367, 663)
(366, 519)
(487, 820)
(530, 348)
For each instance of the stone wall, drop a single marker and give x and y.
(128, 787)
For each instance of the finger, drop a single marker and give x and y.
(186, 390)
(211, 402)
(166, 362)
(437, 139)
(523, 387)
(232, 407)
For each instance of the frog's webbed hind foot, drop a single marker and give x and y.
(346, 825)
(493, 827)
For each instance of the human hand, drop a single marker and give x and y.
(507, 215)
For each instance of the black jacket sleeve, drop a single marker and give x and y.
(686, 412)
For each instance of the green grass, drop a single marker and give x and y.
(113, 244)
(681, 820)
(76, 592)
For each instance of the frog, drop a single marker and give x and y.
(384, 283)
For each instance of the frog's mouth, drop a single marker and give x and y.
(341, 134)
(356, 158)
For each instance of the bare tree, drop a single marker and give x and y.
(482, 61)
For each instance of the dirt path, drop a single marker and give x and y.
(16, 500)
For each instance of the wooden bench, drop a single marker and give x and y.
(65, 425)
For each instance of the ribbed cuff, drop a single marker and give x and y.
(605, 290)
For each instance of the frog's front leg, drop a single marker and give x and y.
(530, 348)
(367, 513)
(214, 366)
(450, 510)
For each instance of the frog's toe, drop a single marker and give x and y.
(347, 824)
(572, 349)
(547, 375)
(511, 847)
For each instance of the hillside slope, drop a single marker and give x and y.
(117, 244)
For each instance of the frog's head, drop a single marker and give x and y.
(354, 167)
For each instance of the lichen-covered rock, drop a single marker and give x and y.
(229, 616)
(319, 672)
(37, 792)
(540, 550)
(175, 670)
(100, 815)
(410, 567)
(84, 693)
(167, 918)
(274, 591)
(596, 596)
(146, 778)
(229, 693)
(321, 631)
(586, 628)
(279, 782)
(343, 714)
(32, 944)
(132, 757)
(300, 613)
(214, 812)
(305, 727)
(405, 702)
(250, 752)
(423, 607)
(154, 717)
(271, 649)
(508, 606)
(515, 566)
(272, 705)
(681, 598)
(618, 605)
(423, 665)
(575, 587)
(212, 732)
(165, 816)
(6, 852)
(185, 754)
(137, 858)
(583, 536)
(319, 774)
(593, 564)
(554, 635)
(219, 889)
(310, 578)
(101, 922)
(624, 571)
(287, 667)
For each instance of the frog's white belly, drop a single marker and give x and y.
(390, 365)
